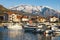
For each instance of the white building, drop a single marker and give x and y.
(53, 19)
(25, 19)
(13, 18)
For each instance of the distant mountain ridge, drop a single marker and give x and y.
(28, 8)
(40, 10)
(43, 11)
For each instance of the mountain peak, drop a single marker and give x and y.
(41, 10)
(30, 8)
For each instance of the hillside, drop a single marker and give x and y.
(3, 9)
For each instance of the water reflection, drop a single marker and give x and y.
(21, 35)
(1, 36)
(15, 35)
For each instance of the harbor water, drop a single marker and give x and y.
(6, 34)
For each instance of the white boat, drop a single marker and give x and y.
(48, 31)
(15, 26)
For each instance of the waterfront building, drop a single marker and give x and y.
(41, 19)
(3, 17)
(13, 18)
(54, 19)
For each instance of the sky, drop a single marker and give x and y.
(55, 4)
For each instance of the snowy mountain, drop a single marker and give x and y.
(40, 10)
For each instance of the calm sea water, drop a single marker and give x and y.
(6, 34)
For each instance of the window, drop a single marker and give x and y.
(1, 18)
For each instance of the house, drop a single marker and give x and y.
(3, 17)
(25, 18)
(12, 17)
(54, 19)
(19, 17)
(41, 19)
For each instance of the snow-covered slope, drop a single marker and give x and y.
(42, 10)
